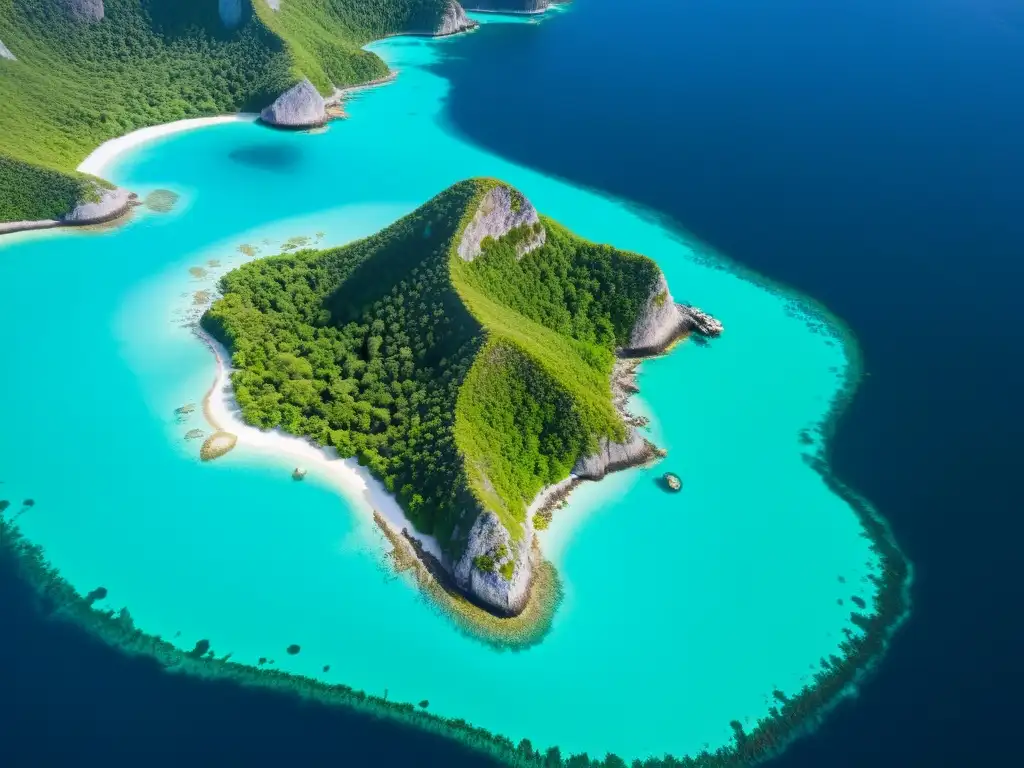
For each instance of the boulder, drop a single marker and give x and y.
(4, 53)
(301, 106)
(85, 10)
(491, 588)
(615, 456)
(230, 12)
(501, 210)
(111, 204)
(453, 20)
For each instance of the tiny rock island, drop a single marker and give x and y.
(465, 355)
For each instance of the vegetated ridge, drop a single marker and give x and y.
(463, 354)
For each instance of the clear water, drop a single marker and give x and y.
(682, 612)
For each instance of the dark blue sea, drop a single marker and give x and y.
(869, 153)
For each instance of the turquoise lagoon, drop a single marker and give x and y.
(682, 612)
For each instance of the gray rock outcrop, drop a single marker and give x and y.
(111, 204)
(614, 456)
(301, 106)
(85, 10)
(486, 538)
(275, 5)
(4, 53)
(453, 20)
(230, 12)
(660, 322)
(501, 210)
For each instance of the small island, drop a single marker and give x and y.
(466, 355)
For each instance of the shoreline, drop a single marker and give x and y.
(355, 482)
(101, 158)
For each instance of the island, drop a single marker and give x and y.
(465, 355)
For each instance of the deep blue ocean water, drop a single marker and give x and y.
(865, 154)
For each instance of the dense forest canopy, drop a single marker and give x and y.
(461, 385)
(74, 84)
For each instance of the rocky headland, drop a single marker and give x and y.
(99, 206)
(298, 108)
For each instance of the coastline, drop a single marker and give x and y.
(355, 482)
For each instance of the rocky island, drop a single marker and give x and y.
(465, 356)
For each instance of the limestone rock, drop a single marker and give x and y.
(660, 322)
(614, 456)
(4, 53)
(301, 106)
(111, 204)
(501, 210)
(275, 5)
(85, 10)
(507, 596)
(453, 20)
(230, 12)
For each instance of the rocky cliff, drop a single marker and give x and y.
(85, 10)
(660, 323)
(501, 210)
(479, 571)
(275, 5)
(4, 53)
(614, 456)
(453, 20)
(301, 106)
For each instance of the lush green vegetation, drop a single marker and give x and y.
(456, 383)
(75, 85)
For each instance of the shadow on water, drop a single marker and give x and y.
(279, 158)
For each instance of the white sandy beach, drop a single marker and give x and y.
(354, 482)
(102, 157)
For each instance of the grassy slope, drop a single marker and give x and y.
(153, 61)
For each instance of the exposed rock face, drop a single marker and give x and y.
(660, 322)
(301, 106)
(614, 456)
(486, 537)
(275, 5)
(230, 12)
(85, 10)
(112, 203)
(453, 20)
(4, 53)
(501, 210)
(510, 6)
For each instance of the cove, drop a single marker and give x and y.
(681, 613)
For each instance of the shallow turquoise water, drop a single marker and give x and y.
(682, 612)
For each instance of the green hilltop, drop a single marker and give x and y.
(75, 82)
(467, 364)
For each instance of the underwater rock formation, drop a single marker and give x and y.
(230, 12)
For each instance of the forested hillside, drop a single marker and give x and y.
(74, 83)
(463, 385)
